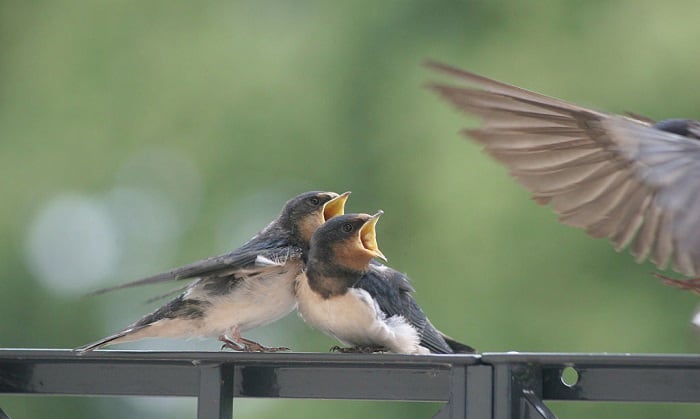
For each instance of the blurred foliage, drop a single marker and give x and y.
(271, 98)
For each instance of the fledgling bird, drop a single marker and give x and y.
(626, 178)
(363, 303)
(249, 287)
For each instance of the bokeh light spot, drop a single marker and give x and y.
(72, 244)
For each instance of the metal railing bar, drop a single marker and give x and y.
(215, 399)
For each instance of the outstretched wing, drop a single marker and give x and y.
(614, 176)
(392, 291)
(246, 260)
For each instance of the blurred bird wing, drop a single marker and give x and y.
(392, 292)
(242, 261)
(613, 176)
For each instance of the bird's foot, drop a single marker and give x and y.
(252, 346)
(228, 343)
(238, 343)
(686, 284)
(256, 347)
(359, 349)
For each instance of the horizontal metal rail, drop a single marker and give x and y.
(497, 385)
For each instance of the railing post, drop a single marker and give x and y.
(456, 406)
(471, 392)
(517, 392)
(215, 400)
(479, 391)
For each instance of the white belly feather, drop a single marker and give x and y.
(257, 301)
(356, 320)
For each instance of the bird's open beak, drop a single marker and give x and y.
(335, 206)
(368, 236)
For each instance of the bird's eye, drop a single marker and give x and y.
(314, 200)
(347, 227)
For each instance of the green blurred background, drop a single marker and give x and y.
(138, 136)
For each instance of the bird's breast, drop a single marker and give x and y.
(255, 300)
(352, 318)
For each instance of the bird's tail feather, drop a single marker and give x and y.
(458, 347)
(120, 337)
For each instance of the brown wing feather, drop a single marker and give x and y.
(613, 176)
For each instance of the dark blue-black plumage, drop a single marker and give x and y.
(683, 127)
(392, 291)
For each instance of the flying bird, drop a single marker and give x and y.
(249, 287)
(692, 285)
(362, 303)
(626, 178)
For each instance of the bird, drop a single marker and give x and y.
(692, 285)
(360, 302)
(622, 177)
(249, 287)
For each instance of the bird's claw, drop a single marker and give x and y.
(247, 345)
(229, 344)
(256, 347)
(358, 349)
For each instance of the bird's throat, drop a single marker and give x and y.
(330, 285)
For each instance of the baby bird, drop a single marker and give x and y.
(359, 302)
(241, 290)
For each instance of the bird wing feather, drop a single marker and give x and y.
(392, 292)
(246, 260)
(614, 176)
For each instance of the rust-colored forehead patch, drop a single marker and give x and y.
(309, 223)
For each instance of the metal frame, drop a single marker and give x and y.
(492, 385)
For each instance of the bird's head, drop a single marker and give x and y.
(304, 213)
(347, 241)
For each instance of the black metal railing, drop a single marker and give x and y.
(491, 385)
